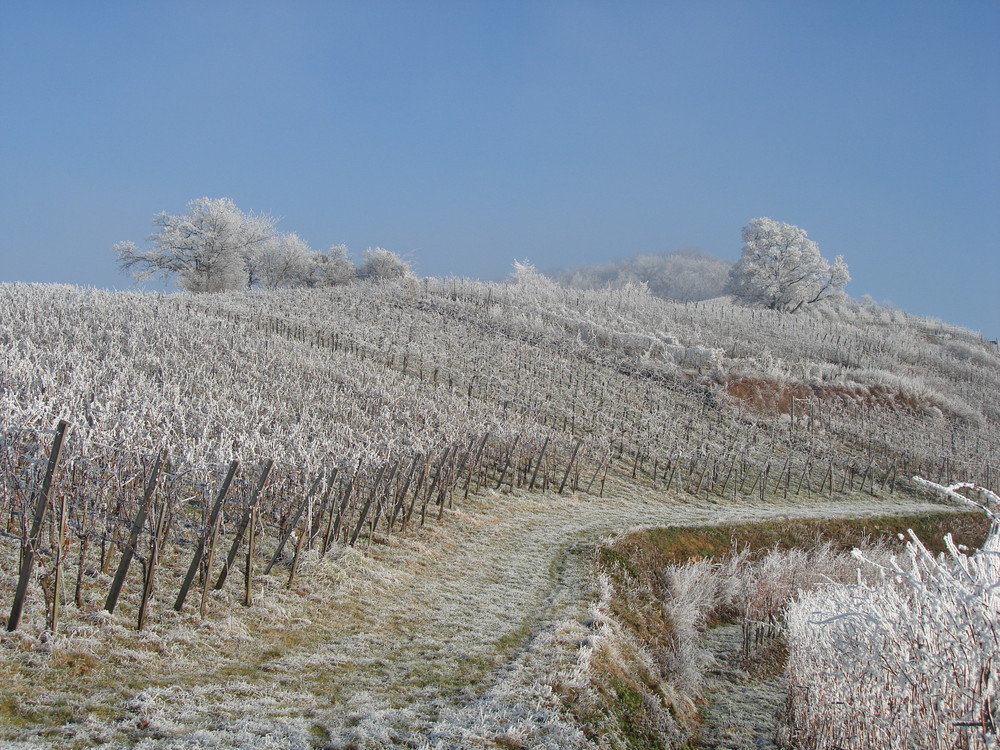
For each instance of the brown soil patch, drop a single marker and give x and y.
(772, 398)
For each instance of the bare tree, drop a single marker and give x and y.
(211, 248)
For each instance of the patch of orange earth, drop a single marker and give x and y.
(771, 397)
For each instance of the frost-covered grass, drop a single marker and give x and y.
(467, 633)
(665, 589)
(906, 660)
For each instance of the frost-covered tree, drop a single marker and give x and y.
(525, 274)
(283, 260)
(683, 275)
(379, 263)
(332, 268)
(211, 248)
(781, 268)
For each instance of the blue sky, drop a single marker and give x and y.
(464, 135)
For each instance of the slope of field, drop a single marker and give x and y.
(364, 372)
(447, 454)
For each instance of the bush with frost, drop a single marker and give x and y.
(908, 660)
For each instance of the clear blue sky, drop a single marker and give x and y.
(466, 134)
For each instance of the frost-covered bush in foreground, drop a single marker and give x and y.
(645, 675)
(906, 661)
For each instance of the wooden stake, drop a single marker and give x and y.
(200, 549)
(367, 506)
(133, 539)
(57, 582)
(343, 505)
(149, 568)
(251, 549)
(31, 543)
(506, 466)
(538, 465)
(295, 522)
(244, 522)
(318, 520)
(298, 551)
(476, 464)
(572, 458)
(81, 567)
(325, 546)
(400, 501)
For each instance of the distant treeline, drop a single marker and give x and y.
(683, 275)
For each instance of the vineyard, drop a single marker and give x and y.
(165, 455)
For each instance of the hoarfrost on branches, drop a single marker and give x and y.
(781, 268)
(211, 248)
(378, 264)
(283, 261)
(683, 275)
(215, 247)
(907, 660)
(332, 268)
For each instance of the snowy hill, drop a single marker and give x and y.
(365, 372)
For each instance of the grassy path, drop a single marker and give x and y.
(742, 709)
(445, 638)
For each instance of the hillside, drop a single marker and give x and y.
(364, 372)
(447, 454)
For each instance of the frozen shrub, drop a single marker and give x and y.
(907, 660)
(379, 264)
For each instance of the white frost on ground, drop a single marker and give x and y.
(447, 638)
(741, 711)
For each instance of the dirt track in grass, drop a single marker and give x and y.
(447, 637)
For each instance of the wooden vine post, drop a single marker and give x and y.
(294, 524)
(507, 463)
(383, 492)
(317, 521)
(244, 523)
(28, 553)
(213, 542)
(248, 571)
(325, 544)
(62, 545)
(368, 504)
(306, 535)
(129, 552)
(538, 464)
(456, 476)
(400, 502)
(342, 509)
(421, 478)
(476, 464)
(199, 552)
(572, 458)
(149, 568)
